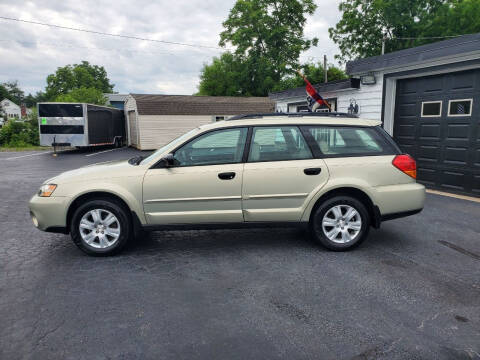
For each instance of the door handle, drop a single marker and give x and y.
(312, 171)
(226, 175)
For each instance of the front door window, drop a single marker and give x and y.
(213, 148)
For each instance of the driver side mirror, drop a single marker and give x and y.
(168, 160)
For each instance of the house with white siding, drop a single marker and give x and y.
(155, 120)
(10, 109)
(427, 98)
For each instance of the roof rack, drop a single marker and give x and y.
(295, 114)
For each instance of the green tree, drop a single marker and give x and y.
(270, 30)
(71, 77)
(230, 75)
(222, 77)
(454, 18)
(267, 37)
(360, 30)
(32, 100)
(314, 73)
(4, 94)
(11, 91)
(83, 95)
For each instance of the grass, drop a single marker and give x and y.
(25, 148)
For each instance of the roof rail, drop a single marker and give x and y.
(295, 114)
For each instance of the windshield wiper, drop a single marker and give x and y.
(135, 160)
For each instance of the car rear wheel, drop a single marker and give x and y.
(340, 223)
(100, 227)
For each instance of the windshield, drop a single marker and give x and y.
(170, 144)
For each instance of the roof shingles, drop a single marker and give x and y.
(148, 104)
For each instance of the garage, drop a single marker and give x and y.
(427, 97)
(437, 121)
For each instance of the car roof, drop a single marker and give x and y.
(293, 119)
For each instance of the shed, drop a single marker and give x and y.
(154, 120)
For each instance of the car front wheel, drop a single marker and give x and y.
(340, 223)
(100, 227)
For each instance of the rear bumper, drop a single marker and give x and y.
(378, 218)
(398, 199)
(49, 213)
(400, 215)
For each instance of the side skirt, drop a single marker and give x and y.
(213, 226)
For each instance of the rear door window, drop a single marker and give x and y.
(348, 141)
(278, 143)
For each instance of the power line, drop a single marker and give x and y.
(54, 45)
(426, 37)
(110, 34)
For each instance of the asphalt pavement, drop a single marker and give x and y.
(410, 291)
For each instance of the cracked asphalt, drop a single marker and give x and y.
(411, 291)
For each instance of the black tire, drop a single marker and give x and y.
(318, 233)
(124, 221)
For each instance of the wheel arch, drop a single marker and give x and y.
(95, 195)
(353, 192)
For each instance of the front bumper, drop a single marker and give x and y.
(49, 213)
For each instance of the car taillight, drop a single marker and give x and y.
(406, 164)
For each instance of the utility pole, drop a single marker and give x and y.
(384, 38)
(325, 76)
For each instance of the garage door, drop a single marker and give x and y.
(132, 123)
(437, 122)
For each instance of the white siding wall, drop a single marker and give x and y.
(158, 130)
(11, 109)
(129, 109)
(132, 128)
(368, 98)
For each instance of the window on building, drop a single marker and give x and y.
(278, 143)
(431, 108)
(302, 106)
(333, 104)
(462, 107)
(347, 141)
(216, 147)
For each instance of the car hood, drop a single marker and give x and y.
(109, 169)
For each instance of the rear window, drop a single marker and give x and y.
(60, 110)
(349, 141)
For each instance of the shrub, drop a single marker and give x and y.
(19, 134)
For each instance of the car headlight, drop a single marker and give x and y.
(46, 190)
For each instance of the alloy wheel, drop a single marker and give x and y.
(342, 224)
(99, 228)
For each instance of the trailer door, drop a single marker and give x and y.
(61, 124)
(100, 126)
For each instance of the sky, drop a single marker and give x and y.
(28, 52)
